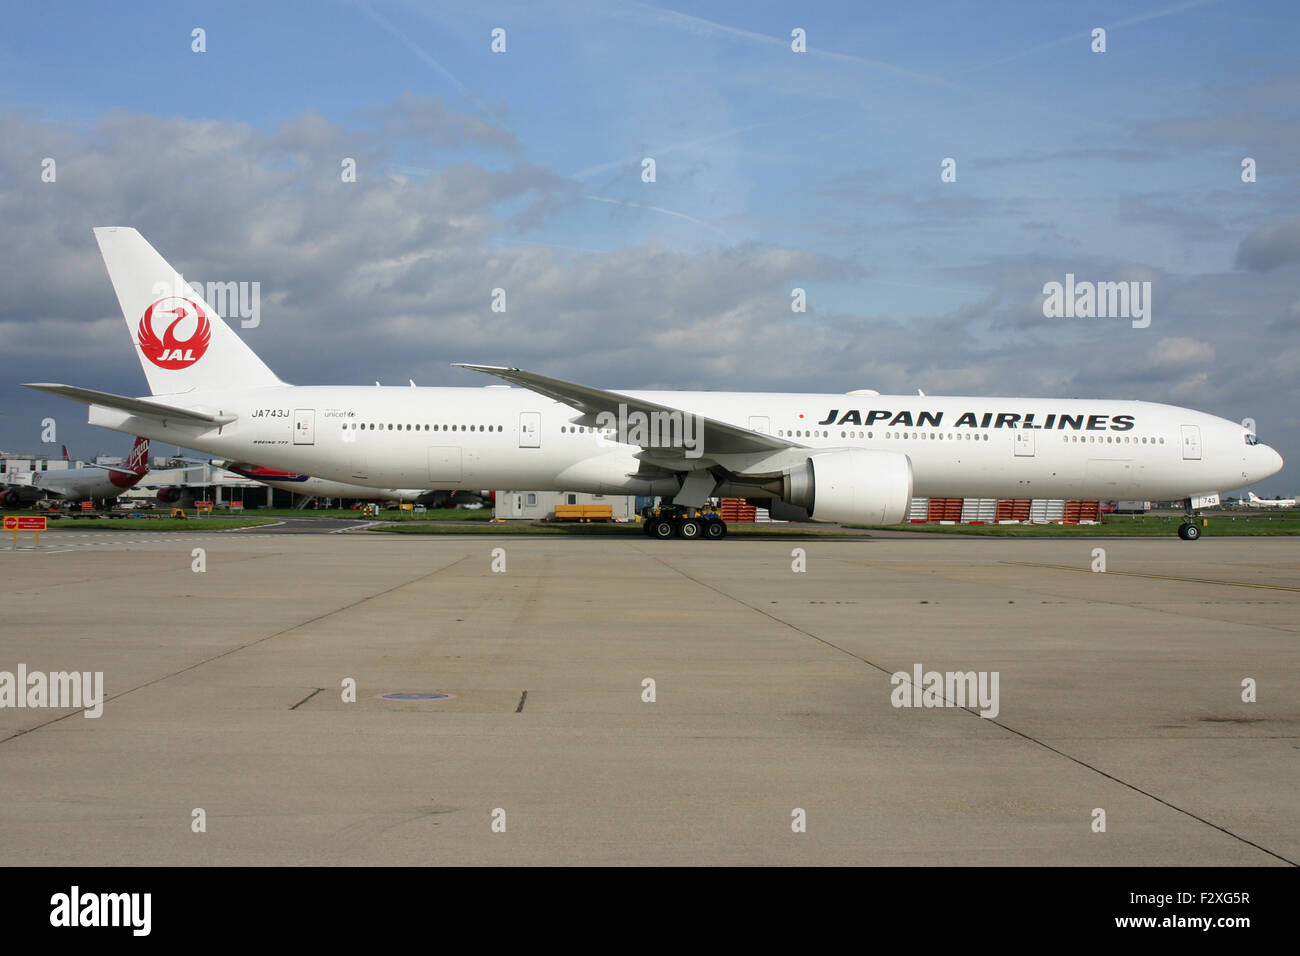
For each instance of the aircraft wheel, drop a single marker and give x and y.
(691, 529)
(715, 530)
(1189, 532)
(661, 528)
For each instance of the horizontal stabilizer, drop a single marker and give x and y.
(133, 406)
(113, 468)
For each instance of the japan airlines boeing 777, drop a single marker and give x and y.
(856, 457)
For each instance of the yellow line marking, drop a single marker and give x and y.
(1162, 577)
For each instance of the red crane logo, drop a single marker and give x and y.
(169, 351)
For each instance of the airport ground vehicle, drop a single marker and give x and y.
(670, 521)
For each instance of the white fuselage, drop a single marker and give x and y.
(72, 484)
(1256, 502)
(497, 437)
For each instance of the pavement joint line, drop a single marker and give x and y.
(994, 721)
(307, 698)
(1160, 577)
(522, 697)
(236, 650)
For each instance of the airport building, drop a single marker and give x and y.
(199, 480)
(541, 505)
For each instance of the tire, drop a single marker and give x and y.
(715, 530)
(1189, 532)
(661, 528)
(692, 529)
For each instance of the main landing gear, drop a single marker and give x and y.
(671, 521)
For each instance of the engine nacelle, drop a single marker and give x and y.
(853, 486)
(170, 494)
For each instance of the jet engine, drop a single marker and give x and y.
(853, 486)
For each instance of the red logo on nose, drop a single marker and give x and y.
(171, 352)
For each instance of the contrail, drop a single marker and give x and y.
(1138, 18)
(423, 55)
(666, 212)
(687, 144)
(699, 25)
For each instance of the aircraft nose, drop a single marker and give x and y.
(1275, 463)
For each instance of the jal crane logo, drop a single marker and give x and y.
(171, 352)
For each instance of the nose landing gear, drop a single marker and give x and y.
(1189, 530)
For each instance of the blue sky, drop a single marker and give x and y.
(774, 170)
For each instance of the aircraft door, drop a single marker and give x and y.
(1191, 442)
(530, 429)
(760, 424)
(304, 426)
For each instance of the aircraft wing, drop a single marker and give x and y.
(22, 491)
(36, 491)
(714, 437)
(133, 406)
(120, 471)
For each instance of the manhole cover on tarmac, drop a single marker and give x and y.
(418, 695)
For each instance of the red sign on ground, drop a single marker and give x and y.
(24, 523)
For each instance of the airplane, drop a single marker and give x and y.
(856, 457)
(1255, 501)
(93, 483)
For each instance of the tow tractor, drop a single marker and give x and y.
(674, 521)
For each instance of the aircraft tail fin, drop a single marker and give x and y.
(138, 460)
(182, 342)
